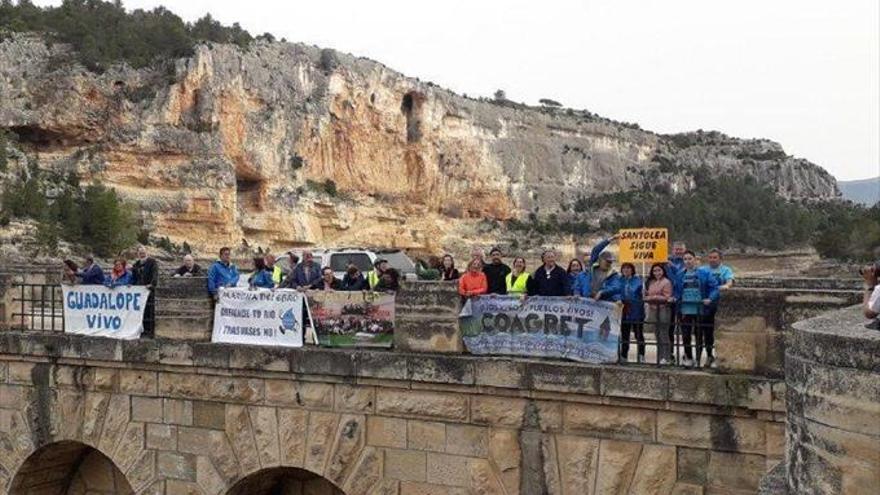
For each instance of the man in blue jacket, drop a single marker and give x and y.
(599, 281)
(222, 273)
(695, 290)
(91, 274)
(724, 277)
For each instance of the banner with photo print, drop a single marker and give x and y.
(353, 319)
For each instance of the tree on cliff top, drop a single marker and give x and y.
(103, 33)
(547, 102)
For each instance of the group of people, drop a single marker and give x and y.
(304, 274)
(144, 271)
(681, 292)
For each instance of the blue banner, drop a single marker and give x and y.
(573, 328)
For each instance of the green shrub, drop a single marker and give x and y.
(108, 224)
(94, 217)
(26, 197)
(103, 33)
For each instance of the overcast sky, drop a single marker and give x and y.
(805, 73)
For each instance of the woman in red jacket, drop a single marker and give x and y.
(473, 282)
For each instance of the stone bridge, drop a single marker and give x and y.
(88, 415)
(179, 415)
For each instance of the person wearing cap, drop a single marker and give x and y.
(599, 281)
(496, 273)
(375, 275)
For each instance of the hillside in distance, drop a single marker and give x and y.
(285, 145)
(865, 191)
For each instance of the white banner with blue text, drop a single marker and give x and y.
(100, 311)
(259, 317)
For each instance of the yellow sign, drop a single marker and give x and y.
(643, 245)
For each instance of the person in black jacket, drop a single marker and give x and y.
(328, 281)
(549, 279)
(146, 273)
(189, 268)
(354, 280)
(496, 273)
(447, 268)
(389, 282)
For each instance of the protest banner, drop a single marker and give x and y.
(104, 312)
(353, 319)
(572, 328)
(259, 317)
(648, 245)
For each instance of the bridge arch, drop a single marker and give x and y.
(69, 468)
(284, 481)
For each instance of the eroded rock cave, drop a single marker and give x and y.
(411, 106)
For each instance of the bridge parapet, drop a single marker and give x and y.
(833, 403)
(752, 322)
(205, 416)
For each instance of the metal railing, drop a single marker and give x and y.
(38, 307)
(679, 339)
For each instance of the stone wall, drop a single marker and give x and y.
(427, 318)
(184, 310)
(752, 324)
(833, 376)
(187, 417)
(800, 283)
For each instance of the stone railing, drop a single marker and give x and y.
(800, 283)
(832, 375)
(426, 314)
(752, 323)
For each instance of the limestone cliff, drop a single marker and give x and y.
(289, 145)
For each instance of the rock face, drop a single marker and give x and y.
(289, 145)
